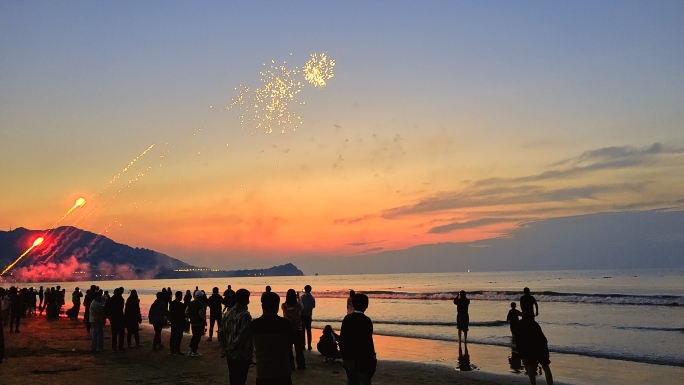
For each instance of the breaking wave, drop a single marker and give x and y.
(544, 296)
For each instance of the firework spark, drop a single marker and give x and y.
(270, 106)
(36, 243)
(319, 69)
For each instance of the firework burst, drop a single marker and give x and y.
(271, 106)
(319, 69)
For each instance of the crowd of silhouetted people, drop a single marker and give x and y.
(273, 343)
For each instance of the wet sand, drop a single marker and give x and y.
(59, 353)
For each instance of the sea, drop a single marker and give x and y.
(627, 315)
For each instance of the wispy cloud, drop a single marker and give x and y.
(468, 225)
(606, 158)
(371, 250)
(356, 244)
(353, 219)
(503, 195)
(571, 182)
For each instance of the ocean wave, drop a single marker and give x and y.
(580, 351)
(514, 296)
(647, 328)
(420, 323)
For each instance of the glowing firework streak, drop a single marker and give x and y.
(37, 242)
(117, 176)
(79, 202)
(318, 69)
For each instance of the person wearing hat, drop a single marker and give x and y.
(197, 313)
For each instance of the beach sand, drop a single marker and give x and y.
(59, 353)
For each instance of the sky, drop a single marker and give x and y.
(445, 122)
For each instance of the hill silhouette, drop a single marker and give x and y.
(69, 254)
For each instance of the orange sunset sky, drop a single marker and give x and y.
(444, 122)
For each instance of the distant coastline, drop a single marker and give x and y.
(71, 254)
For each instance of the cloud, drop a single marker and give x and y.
(621, 153)
(468, 225)
(606, 158)
(354, 219)
(356, 244)
(371, 250)
(503, 195)
(554, 189)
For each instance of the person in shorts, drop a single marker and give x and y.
(462, 318)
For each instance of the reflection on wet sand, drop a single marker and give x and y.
(515, 360)
(464, 364)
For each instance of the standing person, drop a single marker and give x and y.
(169, 297)
(177, 317)
(272, 337)
(215, 303)
(5, 308)
(157, 317)
(228, 297)
(356, 344)
(32, 301)
(528, 303)
(533, 347)
(512, 318)
(15, 309)
(197, 312)
(462, 317)
(105, 297)
(133, 319)
(61, 300)
(40, 297)
(236, 339)
(187, 298)
(114, 310)
(76, 301)
(24, 301)
(350, 305)
(87, 300)
(268, 290)
(308, 304)
(292, 310)
(49, 304)
(97, 320)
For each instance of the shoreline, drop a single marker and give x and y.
(60, 351)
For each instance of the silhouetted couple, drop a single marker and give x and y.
(529, 339)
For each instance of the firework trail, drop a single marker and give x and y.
(37, 242)
(128, 166)
(79, 203)
(97, 208)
